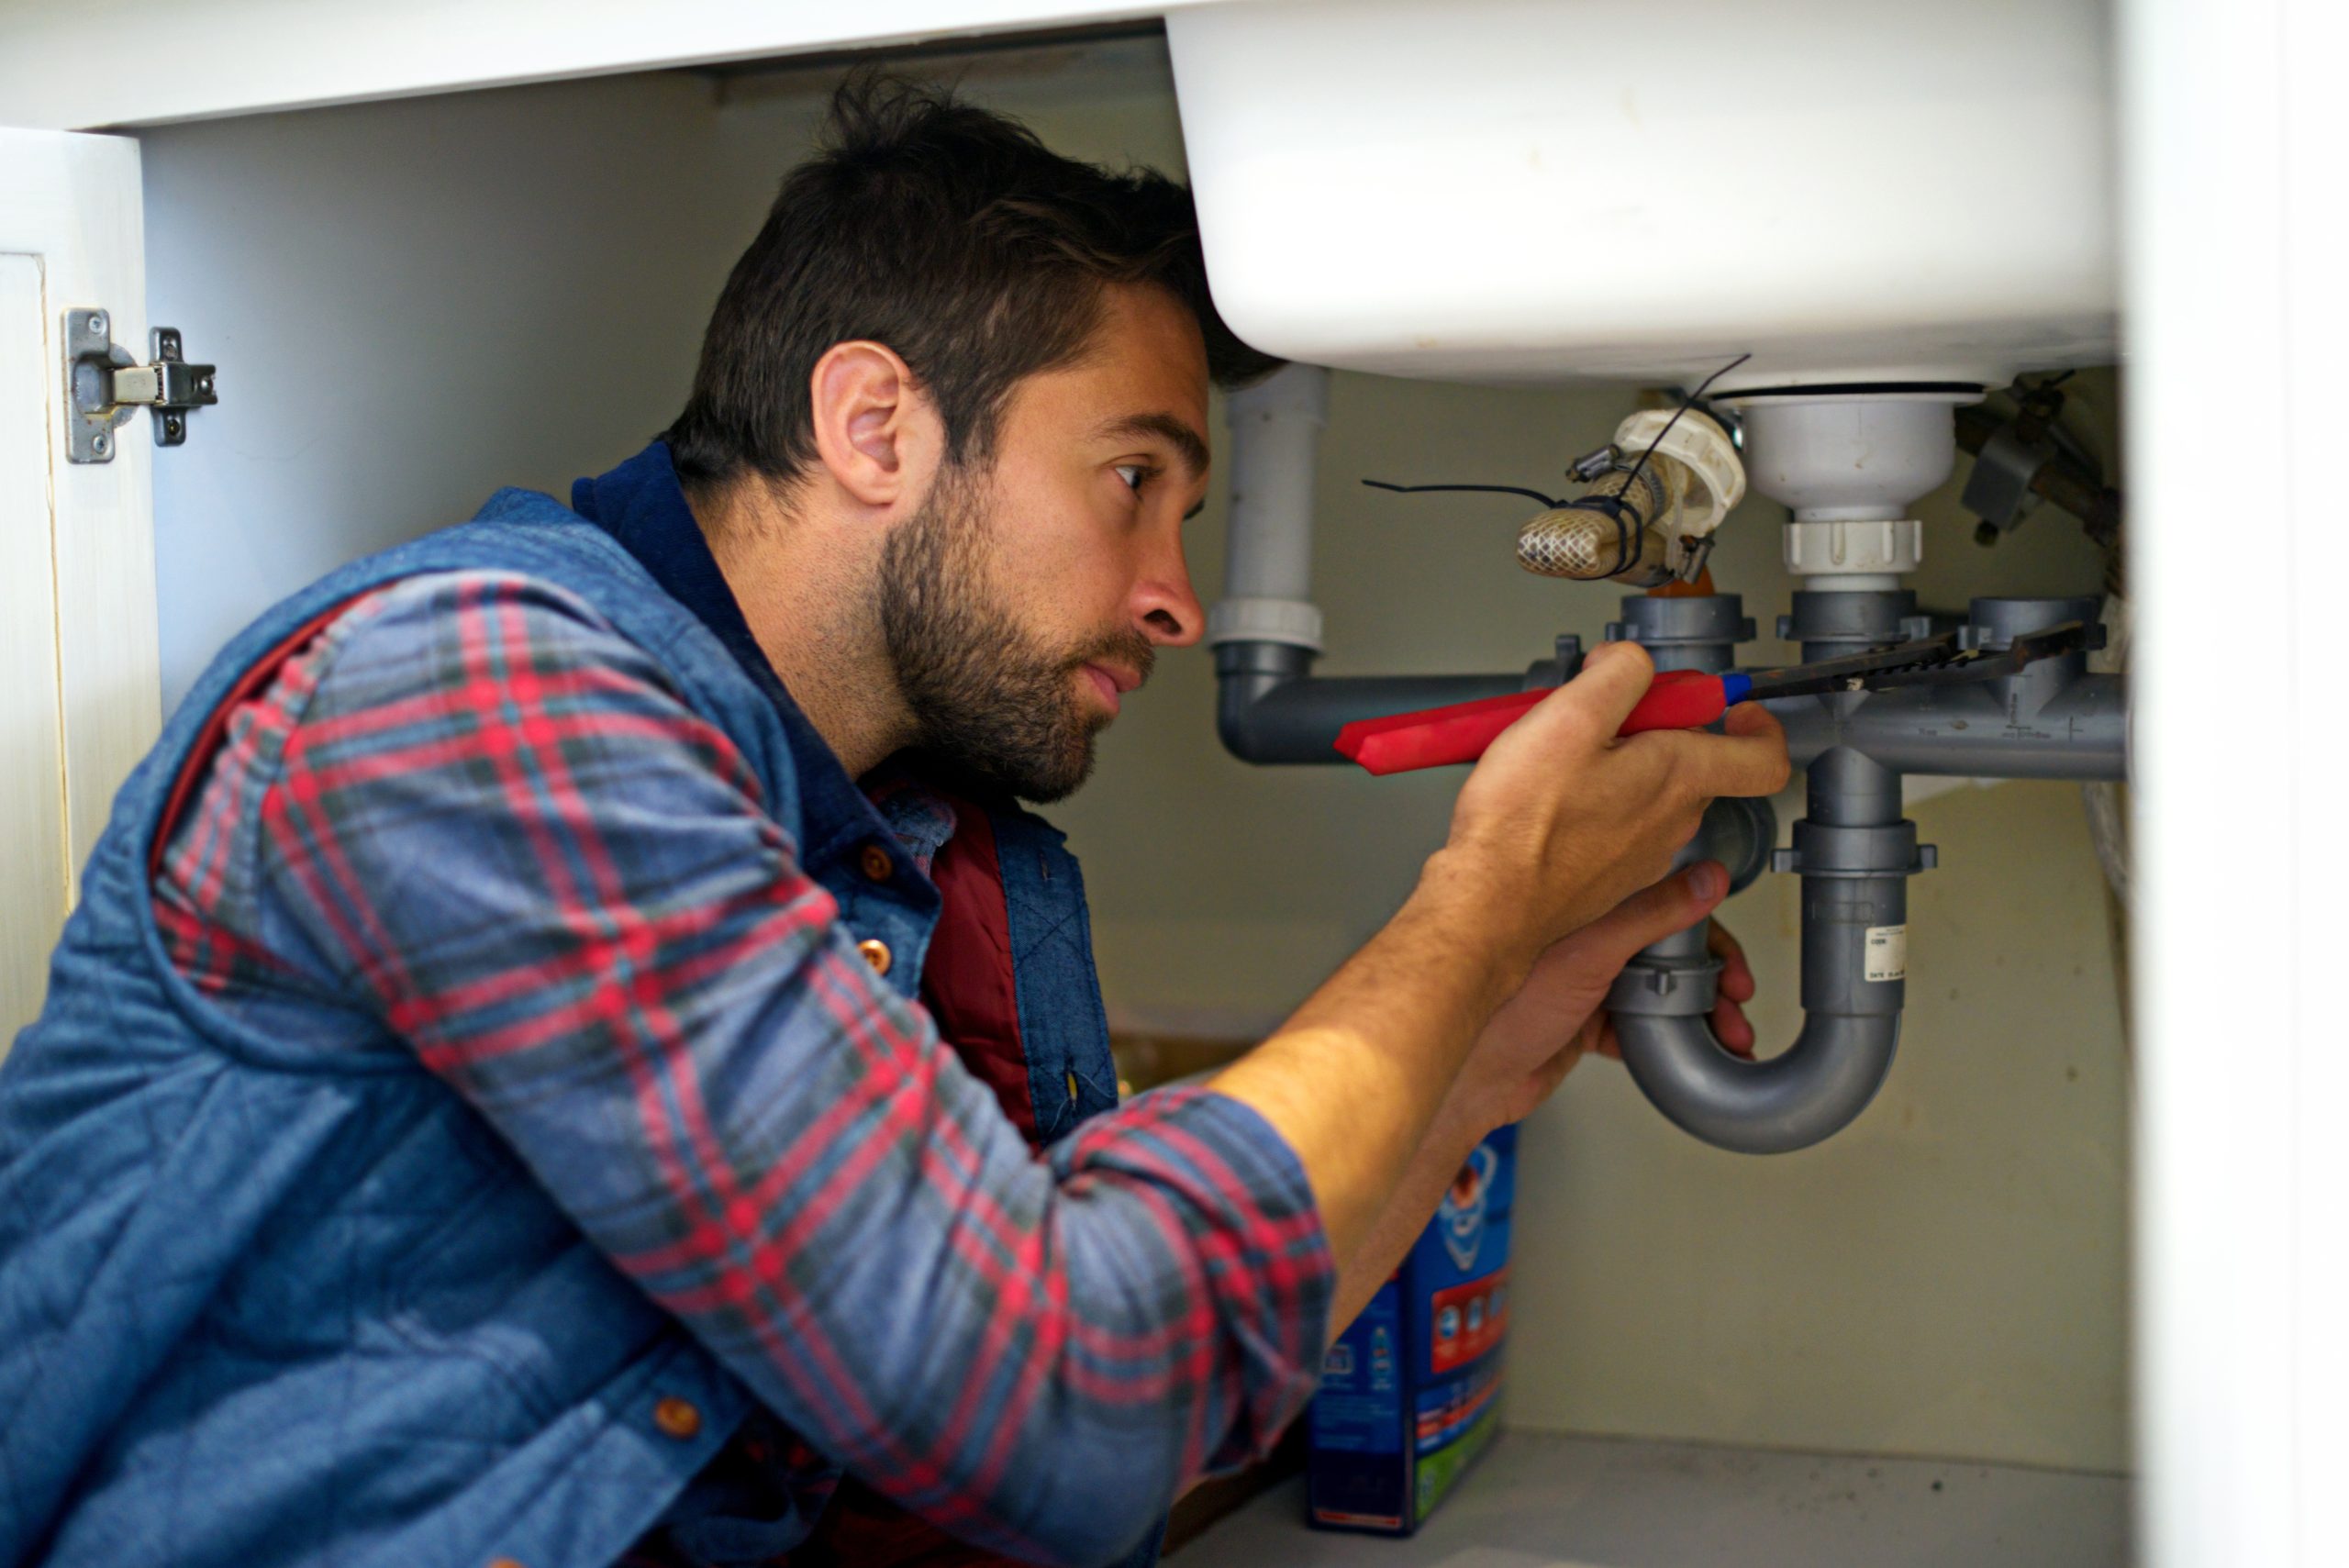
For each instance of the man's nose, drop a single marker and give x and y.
(1165, 607)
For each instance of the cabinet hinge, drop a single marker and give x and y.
(105, 384)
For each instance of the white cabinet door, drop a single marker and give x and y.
(78, 689)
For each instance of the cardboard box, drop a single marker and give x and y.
(1411, 1393)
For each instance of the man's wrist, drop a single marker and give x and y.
(1482, 910)
(1472, 1111)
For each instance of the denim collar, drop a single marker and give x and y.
(641, 504)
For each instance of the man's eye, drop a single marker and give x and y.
(1135, 474)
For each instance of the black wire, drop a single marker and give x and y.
(1628, 520)
(1686, 404)
(1499, 489)
(1615, 506)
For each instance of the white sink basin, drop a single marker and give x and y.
(1520, 191)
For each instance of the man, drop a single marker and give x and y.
(491, 1106)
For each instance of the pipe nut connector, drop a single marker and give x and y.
(1707, 621)
(1662, 988)
(1825, 849)
(1875, 547)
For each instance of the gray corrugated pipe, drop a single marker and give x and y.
(1266, 633)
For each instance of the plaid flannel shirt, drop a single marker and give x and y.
(470, 811)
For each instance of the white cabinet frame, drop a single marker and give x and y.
(79, 695)
(70, 66)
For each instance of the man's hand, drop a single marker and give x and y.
(1562, 822)
(1530, 1047)
(1557, 1016)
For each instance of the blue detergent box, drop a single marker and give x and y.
(1409, 1394)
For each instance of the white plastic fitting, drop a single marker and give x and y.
(1850, 465)
(1846, 456)
(1704, 448)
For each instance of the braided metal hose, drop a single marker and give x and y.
(1583, 542)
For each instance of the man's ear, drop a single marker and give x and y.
(876, 433)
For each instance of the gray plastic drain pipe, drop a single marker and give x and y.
(1854, 855)
(1854, 936)
(2052, 721)
(1266, 630)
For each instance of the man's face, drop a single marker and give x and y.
(1025, 600)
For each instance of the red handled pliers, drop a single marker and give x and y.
(1684, 699)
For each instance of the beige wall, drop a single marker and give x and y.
(1945, 1278)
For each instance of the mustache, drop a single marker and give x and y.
(1126, 648)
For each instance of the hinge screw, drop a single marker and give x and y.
(97, 321)
(98, 444)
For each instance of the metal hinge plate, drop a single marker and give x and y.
(105, 384)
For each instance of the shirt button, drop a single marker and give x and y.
(876, 954)
(677, 1418)
(877, 863)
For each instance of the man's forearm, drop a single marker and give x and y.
(1354, 1081)
(1451, 1137)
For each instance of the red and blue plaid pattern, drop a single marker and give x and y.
(476, 814)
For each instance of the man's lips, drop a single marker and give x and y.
(1112, 683)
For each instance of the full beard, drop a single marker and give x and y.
(988, 699)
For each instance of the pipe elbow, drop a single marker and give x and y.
(1815, 1089)
(1248, 674)
(1271, 709)
(1237, 725)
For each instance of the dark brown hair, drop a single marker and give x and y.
(956, 237)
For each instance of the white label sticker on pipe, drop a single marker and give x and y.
(1887, 953)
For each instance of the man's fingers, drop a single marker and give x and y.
(1749, 758)
(1763, 740)
(1676, 903)
(1596, 1036)
(1737, 975)
(1614, 677)
(1749, 719)
(1730, 1026)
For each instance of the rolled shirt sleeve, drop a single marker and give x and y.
(499, 822)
